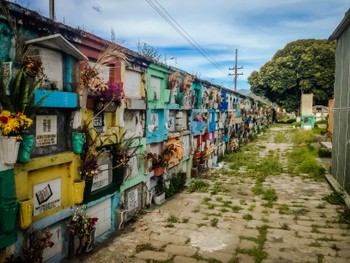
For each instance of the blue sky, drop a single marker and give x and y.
(257, 28)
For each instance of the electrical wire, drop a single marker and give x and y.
(183, 33)
(207, 55)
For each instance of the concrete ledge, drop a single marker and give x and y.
(327, 145)
(338, 188)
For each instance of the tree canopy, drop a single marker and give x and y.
(302, 66)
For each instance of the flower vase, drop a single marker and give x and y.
(9, 147)
(158, 171)
(159, 198)
(8, 215)
(78, 140)
(76, 246)
(25, 148)
(79, 192)
(25, 213)
(83, 96)
(90, 242)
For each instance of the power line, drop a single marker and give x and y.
(207, 55)
(183, 33)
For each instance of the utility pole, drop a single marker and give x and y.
(235, 74)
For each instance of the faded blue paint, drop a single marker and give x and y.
(197, 95)
(197, 127)
(56, 99)
(155, 126)
(211, 120)
(223, 104)
(238, 110)
(68, 72)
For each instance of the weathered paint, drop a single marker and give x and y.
(43, 169)
(157, 92)
(155, 126)
(196, 95)
(197, 126)
(135, 174)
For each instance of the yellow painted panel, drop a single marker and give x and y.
(50, 173)
(68, 164)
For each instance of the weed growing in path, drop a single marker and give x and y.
(198, 185)
(334, 198)
(214, 222)
(172, 219)
(248, 217)
(257, 252)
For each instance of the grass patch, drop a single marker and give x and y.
(223, 210)
(251, 208)
(145, 247)
(283, 209)
(270, 195)
(335, 198)
(257, 252)
(320, 258)
(270, 165)
(236, 208)
(303, 160)
(344, 216)
(217, 188)
(303, 136)
(326, 239)
(185, 220)
(248, 217)
(210, 206)
(196, 210)
(315, 244)
(324, 153)
(172, 219)
(280, 138)
(198, 185)
(244, 156)
(214, 222)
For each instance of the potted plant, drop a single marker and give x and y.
(81, 229)
(11, 126)
(158, 164)
(159, 195)
(21, 101)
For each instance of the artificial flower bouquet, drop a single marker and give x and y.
(13, 124)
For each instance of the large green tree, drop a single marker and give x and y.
(302, 66)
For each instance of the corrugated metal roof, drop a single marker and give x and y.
(341, 27)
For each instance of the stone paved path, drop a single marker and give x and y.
(229, 223)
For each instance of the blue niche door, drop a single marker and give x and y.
(223, 104)
(197, 122)
(156, 126)
(212, 120)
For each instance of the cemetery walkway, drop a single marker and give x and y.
(269, 202)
